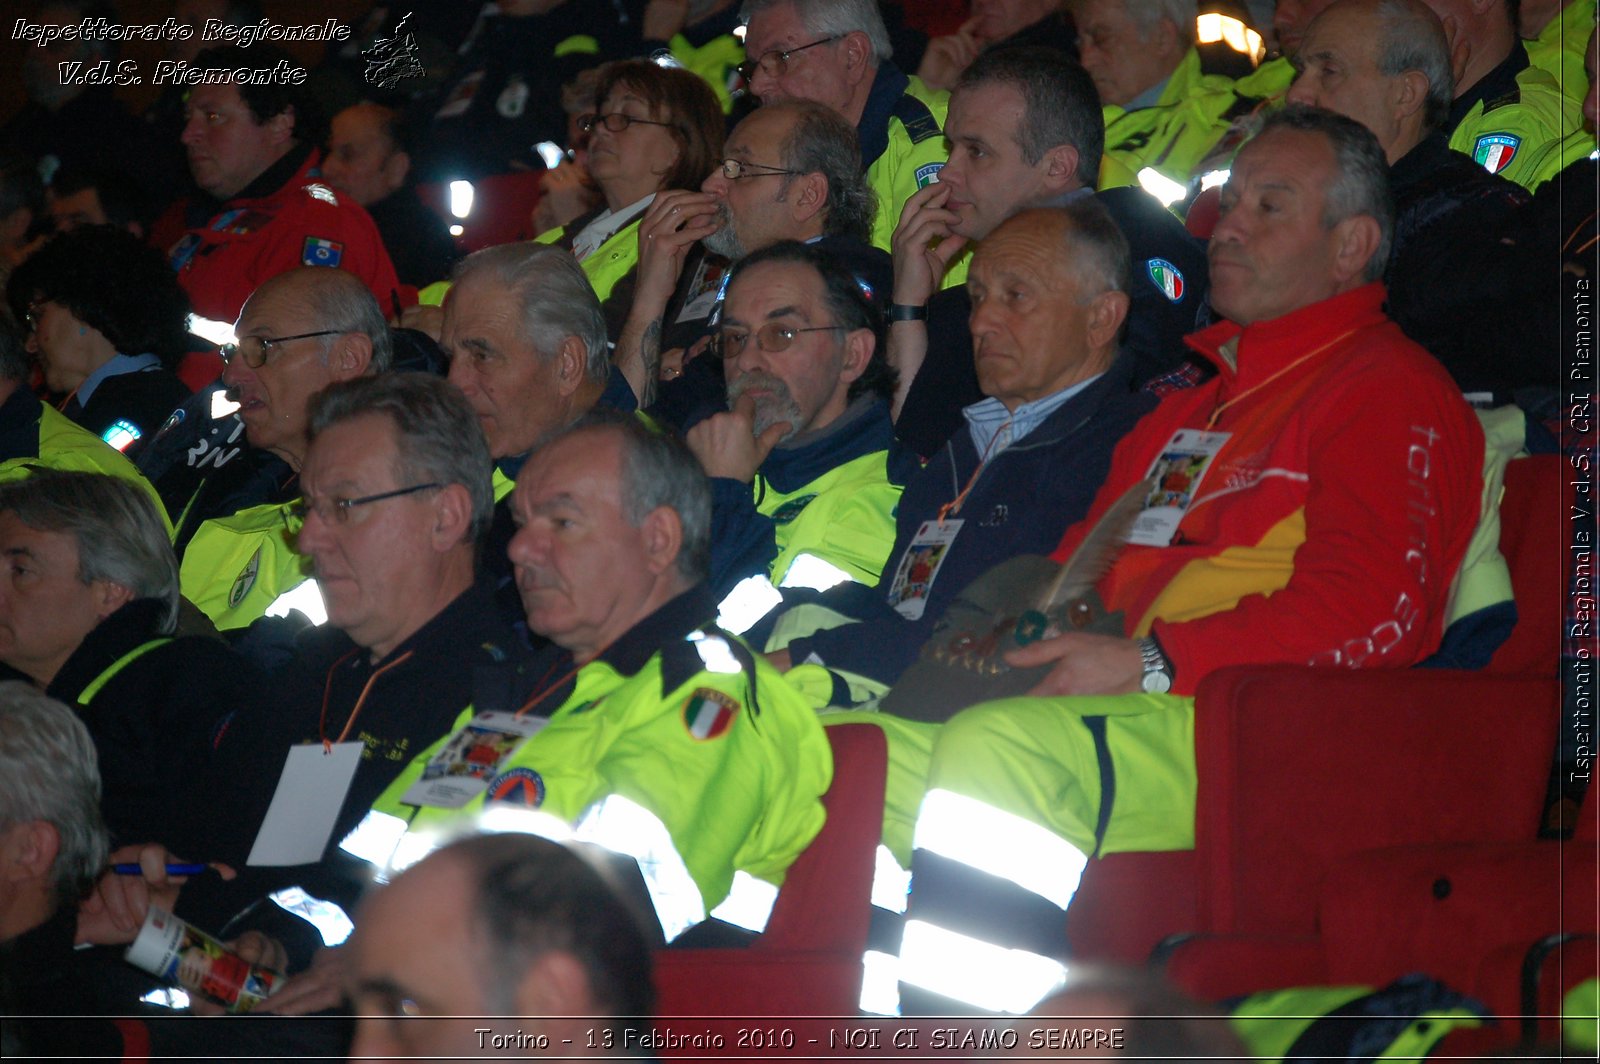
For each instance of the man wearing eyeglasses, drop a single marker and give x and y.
(837, 53)
(792, 171)
(805, 471)
(299, 333)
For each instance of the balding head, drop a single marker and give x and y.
(1384, 63)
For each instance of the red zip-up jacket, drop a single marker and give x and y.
(1330, 525)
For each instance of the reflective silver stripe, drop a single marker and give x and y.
(1000, 843)
(749, 601)
(968, 969)
(819, 574)
(331, 922)
(625, 826)
(748, 904)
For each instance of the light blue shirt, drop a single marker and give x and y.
(993, 426)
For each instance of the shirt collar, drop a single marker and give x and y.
(115, 366)
(986, 419)
(606, 225)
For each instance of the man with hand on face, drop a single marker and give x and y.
(1025, 131)
(804, 469)
(837, 53)
(792, 172)
(640, 717)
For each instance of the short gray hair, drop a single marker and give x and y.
(554, 298)
(1060, 104)
(1411, 37)
(1181, 13)
(833, 18)
(657, 470)
(822, 142)
(1096, 247)
(1361, 182)
(341, 301)
(437, 435)
(118, 528)
(49, 771)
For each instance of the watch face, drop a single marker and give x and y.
(1156, 682)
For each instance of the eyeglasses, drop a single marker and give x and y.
(734, 169)
(255, 350)
(337, 511)
(774, 338)
(616, 122)
(775, 64)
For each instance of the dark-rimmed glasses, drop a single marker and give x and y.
(255, 350)
(775, 64)
(336, 510)
(616, 122)
(774, 338)
(736, 169)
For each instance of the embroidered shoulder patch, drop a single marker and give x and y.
(517, 786)
(709, 713)
(1166, 277)
(319, 252)
(929, 174)
(1494, 151)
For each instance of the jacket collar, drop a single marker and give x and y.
(888, 85)
(1501, 81)
(137, 622)
(863, 428)
(1248, 354)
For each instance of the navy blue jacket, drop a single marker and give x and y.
(1029, 494)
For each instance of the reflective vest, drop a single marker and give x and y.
(65, 445)
(611, 261)
(716, 63)
(237, 566)
(730, 762)
(1510, 136)
(1192, 114)
(915, 154)
(1558, 50)
(844, 517)
(1403, 1020)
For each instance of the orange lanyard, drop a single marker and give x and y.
(327, 689)
(954, 505)
(67, 401)
(1217, 411)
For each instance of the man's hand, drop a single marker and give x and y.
(319, 987)
(674, 222)
(1085, 664)
(919, 263)
(564, 194)
(115, 912)
(947, 57)
(727, 445)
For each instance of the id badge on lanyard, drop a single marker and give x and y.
(1177, 473)
(463, 767)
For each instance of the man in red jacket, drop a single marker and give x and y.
(263, 208)
(1336, 477)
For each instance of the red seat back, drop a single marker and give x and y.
(1299, 768)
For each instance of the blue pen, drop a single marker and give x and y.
(131, 868)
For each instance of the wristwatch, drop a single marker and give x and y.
(1157, 678)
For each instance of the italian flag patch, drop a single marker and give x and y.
(709, 713)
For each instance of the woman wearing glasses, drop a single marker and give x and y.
(656, 128)
(105, 320)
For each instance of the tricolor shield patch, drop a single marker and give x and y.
(320, 252)
(1166, 277)
(1495, 151)
(929, 174)
(518, 786)
(709, 713)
